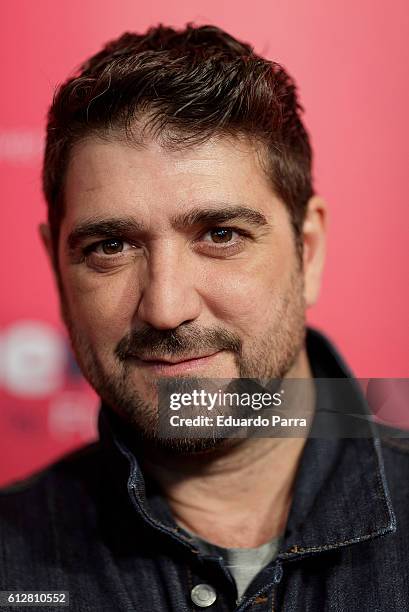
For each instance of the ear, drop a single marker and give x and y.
(314, 238)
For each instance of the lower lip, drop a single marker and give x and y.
(173, 369)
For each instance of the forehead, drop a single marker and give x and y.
(150, 181)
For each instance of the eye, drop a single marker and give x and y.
(111, 246)
(220, 235)
(110, 253)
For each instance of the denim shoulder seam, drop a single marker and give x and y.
(400, 445)
(384, 483)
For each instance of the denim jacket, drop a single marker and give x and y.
(93, 525)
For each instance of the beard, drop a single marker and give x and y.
(269, 357)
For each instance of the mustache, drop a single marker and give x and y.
(178, 342)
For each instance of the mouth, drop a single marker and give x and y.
(172, 367)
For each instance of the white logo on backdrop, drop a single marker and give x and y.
(33, 359)
(21, 146)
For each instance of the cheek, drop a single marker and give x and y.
(101, 308)
(245, 299)
(249, 294)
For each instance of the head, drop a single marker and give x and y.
(182, 222)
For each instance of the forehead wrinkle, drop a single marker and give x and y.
(203, 166)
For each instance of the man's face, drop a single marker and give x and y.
(168, 257)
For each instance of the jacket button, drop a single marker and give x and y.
(203, 595)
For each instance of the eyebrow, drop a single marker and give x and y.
(101, 227)
(197, 216)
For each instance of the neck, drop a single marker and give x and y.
(238, 497)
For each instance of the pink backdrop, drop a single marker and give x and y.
(350, 60)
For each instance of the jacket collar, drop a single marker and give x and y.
(340, 495)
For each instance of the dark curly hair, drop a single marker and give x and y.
(182, 87)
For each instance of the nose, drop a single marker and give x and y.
(168, 295)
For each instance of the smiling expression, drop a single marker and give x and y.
(176, 263)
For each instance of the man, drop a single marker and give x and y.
(187, 243)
